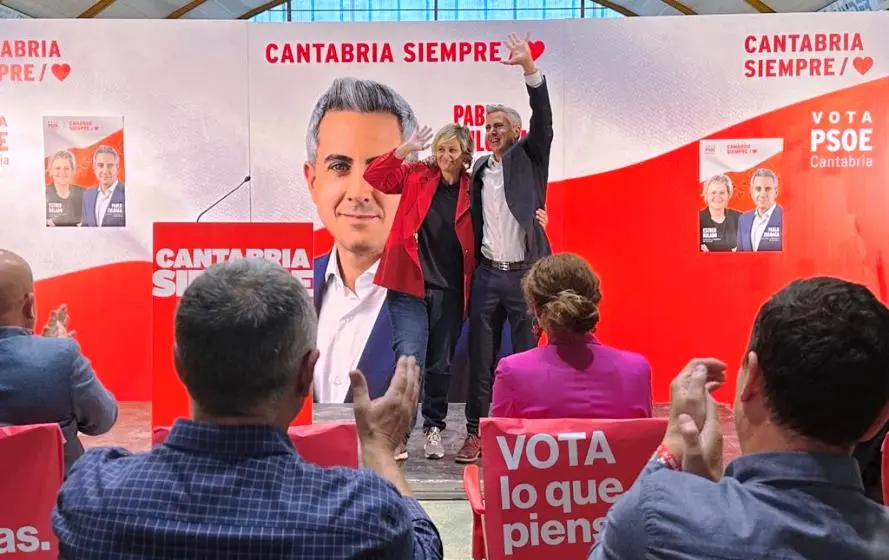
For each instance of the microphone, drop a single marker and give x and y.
(228, 194)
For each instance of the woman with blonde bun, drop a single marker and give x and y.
(574, 375)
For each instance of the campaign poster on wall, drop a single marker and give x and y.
(85, 171)
(740, 191)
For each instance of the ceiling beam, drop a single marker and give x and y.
(179, 12)
(16, 10)
(96, 8)
(259, 9)
(760, 6)
(616, 7)
(680, 7)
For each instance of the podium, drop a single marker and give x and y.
(181, 252)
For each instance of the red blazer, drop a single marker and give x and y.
(417, 182)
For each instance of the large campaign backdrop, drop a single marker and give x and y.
(638, 105)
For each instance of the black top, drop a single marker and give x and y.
(719, 237)
(441, 256)
(64, 211)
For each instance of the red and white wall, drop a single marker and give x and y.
(205, 103)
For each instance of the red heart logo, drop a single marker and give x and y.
(863, 64)
(536, 47)
(61, 71)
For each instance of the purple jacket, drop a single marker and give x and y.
(573, 378)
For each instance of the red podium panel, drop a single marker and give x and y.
(181, 252)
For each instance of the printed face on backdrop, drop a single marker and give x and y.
(357, 216)
(499, 132)
(449, 156)
(61, 172)
(105, 168)
(717, 195)
(764, 193)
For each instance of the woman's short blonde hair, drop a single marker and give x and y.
(463, 137)
(719, 179)
(64, 154)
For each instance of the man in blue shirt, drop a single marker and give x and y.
(814, 382)
(228, 483)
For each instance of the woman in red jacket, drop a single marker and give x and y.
(428, 261)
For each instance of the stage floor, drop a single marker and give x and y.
(430, 480)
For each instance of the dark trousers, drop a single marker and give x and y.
(427, 328)
(495, 297)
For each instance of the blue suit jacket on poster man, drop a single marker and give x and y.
(772, 238)
(115, 216)
(377, 361)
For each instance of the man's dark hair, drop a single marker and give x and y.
(823, 347)
(243, 329)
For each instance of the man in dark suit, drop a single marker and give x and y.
(45, 379)
(508, 187)
(105, 205)
(762, 229)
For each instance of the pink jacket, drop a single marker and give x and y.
(573, 378)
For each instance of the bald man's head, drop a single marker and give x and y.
(16, 291)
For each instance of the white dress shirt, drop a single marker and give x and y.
(759, 226)
(344, 325)
(103, 200)
(502, 236)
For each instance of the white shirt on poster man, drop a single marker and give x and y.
(759, 226)
(344, 325)
(502, 237)
(103, 200)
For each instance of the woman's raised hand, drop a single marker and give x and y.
(418, 142)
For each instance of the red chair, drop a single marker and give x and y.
(159, 435)
(473, 490)
(32, 467)
(331, 444)
(885, 469)
(548, 484)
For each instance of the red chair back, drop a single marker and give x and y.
(548, 484)
(159, 435)
(32, 467)
(332, 444)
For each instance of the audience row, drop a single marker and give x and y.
(227, 483)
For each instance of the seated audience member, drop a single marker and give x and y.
(45, 379)
(228, 483)
(574, 375)
(814, 382)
